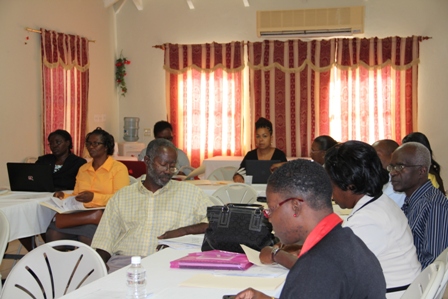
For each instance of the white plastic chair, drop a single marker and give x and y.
(443, 257)
(426, 284)
(49, 273)
(222, 174)
(236, 193)
(216, 201)
(4, 238)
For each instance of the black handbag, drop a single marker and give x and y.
(234, 224)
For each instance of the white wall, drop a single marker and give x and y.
(171, 21)
(163, 21)
(20, 75)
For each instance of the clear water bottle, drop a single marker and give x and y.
(136, 279)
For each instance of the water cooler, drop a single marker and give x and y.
(131, 148)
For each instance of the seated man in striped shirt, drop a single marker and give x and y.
(425, 206)
(157, 208)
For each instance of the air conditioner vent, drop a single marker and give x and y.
(311, 22)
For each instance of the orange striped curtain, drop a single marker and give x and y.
(65, 84)
(204, 98)
(374, 88)
(363, 89)
(289, 85)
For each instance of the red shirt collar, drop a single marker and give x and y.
(320, 231)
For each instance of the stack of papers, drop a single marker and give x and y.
(184, 242)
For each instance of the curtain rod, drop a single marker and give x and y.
(38, 31)
(162, 47)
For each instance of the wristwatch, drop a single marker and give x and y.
(274, 252)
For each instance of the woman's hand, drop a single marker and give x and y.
(251, 294)
(59, 194)
(84, 196)
(238, 178)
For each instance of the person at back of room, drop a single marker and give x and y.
(65, 168)
(264, 149)
(163, 129)
(318, 149)
(96, 183)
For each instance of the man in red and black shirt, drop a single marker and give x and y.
(333, 262)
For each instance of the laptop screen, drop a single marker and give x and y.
(30, 177)
(259, 170)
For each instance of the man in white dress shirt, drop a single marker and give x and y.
(357, 178)
(384, 148)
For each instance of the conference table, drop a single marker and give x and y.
(25, 215)
(165, 282)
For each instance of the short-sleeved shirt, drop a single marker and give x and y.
(103, 182)
(135, 216)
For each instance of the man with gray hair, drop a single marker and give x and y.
(425, 206)
(156, 208)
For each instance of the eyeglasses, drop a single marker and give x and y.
(168, 168)
(93, 144)
(268, 212)
(399, 167)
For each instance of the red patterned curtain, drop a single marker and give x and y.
(289, 85)
(374, 90)
(65, 81)
(363, 89)
(204, 98)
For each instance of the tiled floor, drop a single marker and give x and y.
(14, 247)
(7, 264)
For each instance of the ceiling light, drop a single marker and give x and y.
(246, 3)
(190, 4)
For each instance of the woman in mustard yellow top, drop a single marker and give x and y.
(96, 183)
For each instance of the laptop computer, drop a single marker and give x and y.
(30, 177)
(135, 168)
(259, 170)
(214, 259)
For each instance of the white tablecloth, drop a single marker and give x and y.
(162, 281)
(25, 215)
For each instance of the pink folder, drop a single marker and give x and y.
(213, 259)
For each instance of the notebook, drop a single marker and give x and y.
(135, 168)
(259, 170)
(213, 259)
(30, 177)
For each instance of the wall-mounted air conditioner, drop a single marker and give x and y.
(311, 22)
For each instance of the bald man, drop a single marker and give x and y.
(384, 149)
(425, 206)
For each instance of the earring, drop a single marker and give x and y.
(295, 215)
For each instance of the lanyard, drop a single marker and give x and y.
(369, 202)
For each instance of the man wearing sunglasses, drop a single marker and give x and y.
(333, 262)
(425, 206)
(163, 129)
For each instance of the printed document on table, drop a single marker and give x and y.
(66, 206)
